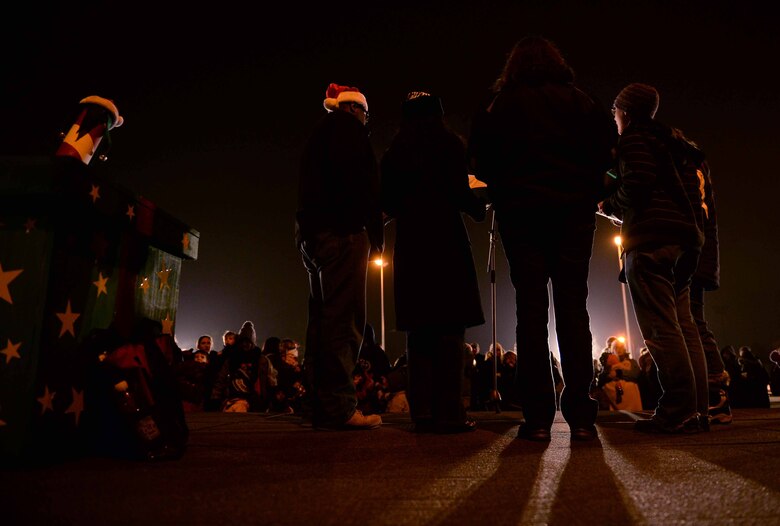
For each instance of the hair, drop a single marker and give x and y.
(271, 345)
(205, 336)
(287, 343)
(533, 60)
(225, 336)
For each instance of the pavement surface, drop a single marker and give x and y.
(262, 469)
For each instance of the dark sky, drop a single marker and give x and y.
(218, 101)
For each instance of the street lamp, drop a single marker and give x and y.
(619, 243)
(381, 264)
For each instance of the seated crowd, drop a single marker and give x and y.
(244, 377)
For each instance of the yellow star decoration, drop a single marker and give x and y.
(67, 318)
(185, 241)
(167, 324)
(29, 225)
(46, 400)
(6, 277)
(11, 351)
(77, 406)
(101, 284)
(95, 193)
(163, 275)
(144, 284)
(130, 212)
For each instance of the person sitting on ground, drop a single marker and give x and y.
(621, 386)
(191, 377)
(246, 379)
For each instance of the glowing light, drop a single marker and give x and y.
(378, 262)
(618, 240)
(621, 339)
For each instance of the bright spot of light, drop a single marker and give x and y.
(378, 262)
(621, 339)
(618, 240)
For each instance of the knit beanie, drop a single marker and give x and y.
(248, 331)
(638, 100)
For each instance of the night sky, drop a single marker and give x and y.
(219, 99)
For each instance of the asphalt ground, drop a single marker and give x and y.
(275, 469)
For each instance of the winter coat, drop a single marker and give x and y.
(659, 204)
(542, 143)
(339, 184)
(425, 188)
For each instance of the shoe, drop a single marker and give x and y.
(460, 427)
(360, 421)
(650, 425)
(720, 413)
(534, 434)
(356, 422)
(584, 433)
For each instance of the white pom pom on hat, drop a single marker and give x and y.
(107, 104)
(336, 94)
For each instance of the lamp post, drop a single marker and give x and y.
(381, 264)
(619, 243)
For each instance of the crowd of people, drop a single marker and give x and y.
(242, 377)
(539, 146)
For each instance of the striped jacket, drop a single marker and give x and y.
(658, 198)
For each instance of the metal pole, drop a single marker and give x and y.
(382, 301)
(495, 395)
(625, 304)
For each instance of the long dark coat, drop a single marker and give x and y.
(425, 188)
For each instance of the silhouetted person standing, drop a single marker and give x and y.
(425, 188)
(542, 145)
(660, 206)
(338, 224)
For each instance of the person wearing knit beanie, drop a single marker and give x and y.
(248, 331)
(659, 199)
(639, 101)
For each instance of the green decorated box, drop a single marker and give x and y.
(78, 253)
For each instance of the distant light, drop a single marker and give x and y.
(621, 339)
(618, 240)
(378, 262)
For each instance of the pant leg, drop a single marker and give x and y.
(525, 251)
(447, 381)
(420, 368)
(337, 266)
(712, 355)
(650, 274)
(570, 296)
(684, 269)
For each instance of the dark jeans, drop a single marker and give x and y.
(337, 267)
(436, 362)
(558, 250)
(659, 280)
(712, 355)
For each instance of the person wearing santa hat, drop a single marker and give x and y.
(338, 226)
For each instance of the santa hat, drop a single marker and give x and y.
(336, 94)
